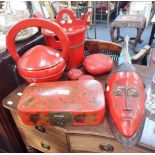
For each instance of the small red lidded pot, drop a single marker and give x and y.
(74, 74)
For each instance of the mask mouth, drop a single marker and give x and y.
(127, 116)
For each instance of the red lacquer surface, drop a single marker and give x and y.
(97, 64)
(86, 77)
(75, 29)
(39, 62)
(69, 97)
(74, 74)
(126, 98)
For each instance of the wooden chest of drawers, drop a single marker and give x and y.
(56, 139)
(45, 139)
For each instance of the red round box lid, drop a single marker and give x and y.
(39, 58)
(98, 64)
(69, 30)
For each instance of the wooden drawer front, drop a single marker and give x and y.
(51, 132)
(91, 143)
(41, 143)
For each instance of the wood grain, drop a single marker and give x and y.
(91, 143)
(95, 46)
(36, 141)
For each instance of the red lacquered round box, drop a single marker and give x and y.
(97, 64)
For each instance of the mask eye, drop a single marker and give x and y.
(117, 92)
(132, 92)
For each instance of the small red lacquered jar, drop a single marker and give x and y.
(74, 74)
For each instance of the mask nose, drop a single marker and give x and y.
(127, 104)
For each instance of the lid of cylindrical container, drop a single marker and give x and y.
(69, 30)
(39, 58)
(64, 96)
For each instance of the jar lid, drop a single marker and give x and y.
(69, 30)
(39, 58)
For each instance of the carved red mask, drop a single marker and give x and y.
(126, 98)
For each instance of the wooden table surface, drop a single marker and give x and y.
(103, 129)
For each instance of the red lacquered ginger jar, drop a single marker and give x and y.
(63, 103)
(40, 63)
(97, 64)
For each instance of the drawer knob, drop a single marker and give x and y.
(45, 145)
(106, 147)
(40, 128)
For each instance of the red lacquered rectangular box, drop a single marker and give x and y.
(63, 103)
